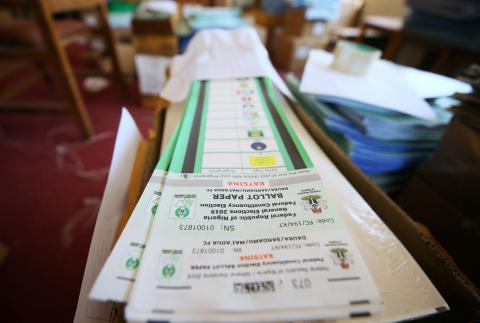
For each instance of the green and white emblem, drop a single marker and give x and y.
(183, 206)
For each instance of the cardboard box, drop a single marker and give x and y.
(291, 52)
(155, 45)
(424, 203)
(459, 292)
(448, 185)
(461, 295)
(284, 51)
(294, 21)
(157, 38)
(164, 27)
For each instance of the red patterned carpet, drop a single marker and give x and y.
(51, 186)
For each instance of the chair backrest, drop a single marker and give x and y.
(52, 6)
(57, 6)
(16, 3)
(30, 21)
(41, 11)
(50, 48)
(351, 12)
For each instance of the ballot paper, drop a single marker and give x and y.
(118, 274)
(244, 228)
(405, 289)
(115, 280)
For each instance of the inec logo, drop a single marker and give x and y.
(132, 258)
(168, 271)
(182, 212)
(152, 205)
(170, 264)
(183, 206)
(132, 263)
(154, 209)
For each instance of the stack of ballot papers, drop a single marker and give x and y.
(240, 227)
(382, 121)
(235, 225)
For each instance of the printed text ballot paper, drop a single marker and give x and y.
(249, 246)
(118, 273)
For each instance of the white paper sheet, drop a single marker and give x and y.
(220, 54)
(384, 86)
(430, 85)
(113, 205)
(151, 71)
(166, 6)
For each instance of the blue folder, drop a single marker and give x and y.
(386, 145)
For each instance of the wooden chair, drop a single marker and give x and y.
(40, 39)
(349, 25)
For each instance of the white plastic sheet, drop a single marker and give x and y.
(220, 54)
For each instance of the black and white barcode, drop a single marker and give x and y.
(254, 287)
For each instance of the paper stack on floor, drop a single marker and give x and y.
(382, 120)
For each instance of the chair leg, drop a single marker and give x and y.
(47, 77)
(110, 48)
(439, 66)
(60, 61)
(395, 41)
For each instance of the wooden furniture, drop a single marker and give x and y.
(393, 28)
(39, 39)
(270, 23)
(155, 37)
(390, 26)
(295, 33)
(293, 25)
(348, 26)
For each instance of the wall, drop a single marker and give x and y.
(385, 7)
